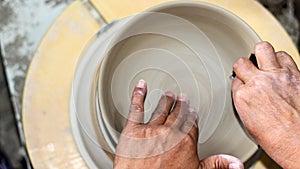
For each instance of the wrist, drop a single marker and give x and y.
(284, 148)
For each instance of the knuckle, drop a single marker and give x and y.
(136, 107)
(161, 110)
(164, 129)
(164, 112)
(192, 117)
(187, 141)
(190, 123)
(129, 131)
(262, 46)
(261, 81)
(138, 92)
(179, 103)
(163, 99)
(282, 53)
(284, 76)
(239, 62)
(239, 94)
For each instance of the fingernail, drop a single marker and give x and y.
(141, 83)
(235, 166)
(182, 97)
(169, 94)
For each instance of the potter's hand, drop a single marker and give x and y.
(167, 141)
(268, 102)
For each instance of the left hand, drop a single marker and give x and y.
(168, 140)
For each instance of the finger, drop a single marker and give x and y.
(136, 114)
(177, 116)
(244, 69)
(163, 108)
(221, 162)
(181, 104)
(266, 56)
(190, 126)
(286, 61)
(236, 84)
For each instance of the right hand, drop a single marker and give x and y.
(267, 100)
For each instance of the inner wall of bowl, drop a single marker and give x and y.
(170, 48)
(166, 66)
(131, 59)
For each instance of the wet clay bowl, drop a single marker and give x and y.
(183, 47)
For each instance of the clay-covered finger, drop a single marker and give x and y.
(136, 113)
(266, 56)
(163, 109)
(286, 61)
(181, 104)
(244, 69)
(190, 125)
(236, 84)
(177, 116)
(221, 161)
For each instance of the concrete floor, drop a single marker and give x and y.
(9, 142)
(22, 25)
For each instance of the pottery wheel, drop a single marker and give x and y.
(47, 92)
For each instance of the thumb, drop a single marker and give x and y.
(221, 161)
